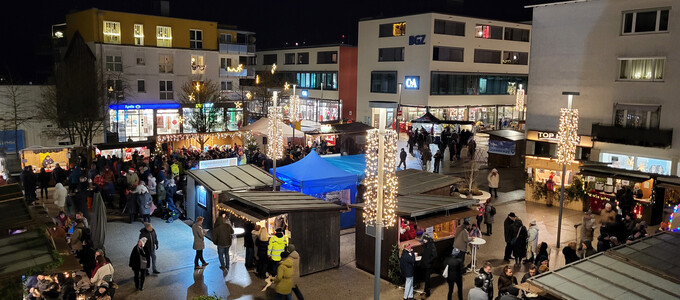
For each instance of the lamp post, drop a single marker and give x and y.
(294, 107)
(519, 103)
(274, 133)
(400, 114)
(566, 147)
(381, 186)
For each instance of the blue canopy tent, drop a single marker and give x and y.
(355, 164)
(318, 178)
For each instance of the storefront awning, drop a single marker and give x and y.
(272, 203)
(412, 181)
(430, 221)
(643, 269)
(244, 177)
(609, 172)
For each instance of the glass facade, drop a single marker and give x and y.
(492, 116)
(187, 112)
(133, 124)
(444, 83)
(638, 163)
(167, 121)
(234, 118)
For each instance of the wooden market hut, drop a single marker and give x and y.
(506, 148)
(413, 182)
(205, 185)
(314, 224)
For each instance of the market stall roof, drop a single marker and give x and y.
(668, 181)
(412, 181)
(610, 172)
(328, 174)
(260, 126)
(24, 251)
(426, 118)
(643, 269)
(344, 128)
(231, 178)
(272, 203)
(40, 149)
(420, 205)
(10, 191)
(121, 145)
(355, 164)
(13, 210)
(508, 134)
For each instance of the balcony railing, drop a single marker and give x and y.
(237, 48)
(633, 136)
(247, 71)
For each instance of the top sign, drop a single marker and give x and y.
(412, 82)
(416, 39)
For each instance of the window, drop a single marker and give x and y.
(516, 34)
(229, 86)
(316, 80)
(195, 39)
(223, 63)
(303, 58)
(163, 36)
(115, 89)
(139, 34)
(197, 64)
(269, 59)
(489, 32)
(141, 87)
(384, 82)
(114, 63)
(327, 57)
(447, 54)
(165, 63)
(637, 115)
(391, 54)
(111, 32)
(289, 58)
(645, 21)
(392, 29)
(487, 56)
(445, 83)
(165, 89)
(642, 69)
(226, 85)
(515, 58)
(225, 38)
(141, 58)
(449, 27)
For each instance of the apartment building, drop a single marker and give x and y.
(325, 78)
(620, 55)
(456, 67)
(148, 58)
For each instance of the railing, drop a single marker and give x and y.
(652, 137)
(247, 71)
(237, 48)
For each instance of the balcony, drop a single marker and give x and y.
(230, 48)
(241, 71)
(661, 138)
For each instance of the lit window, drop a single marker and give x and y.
(165, 63)
(643, 69)
(163, 36)
(195, 39)
(139, 34)
(399, 29)
(114, 63)
(111, 32)
(489, 32)
(515, 58)
(197, 64)
(392, 29)
(645, 21)
(165, 89)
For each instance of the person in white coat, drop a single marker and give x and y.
(532, 240)
(60, 194)
(493, 179)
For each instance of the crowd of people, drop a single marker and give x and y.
(452, 138)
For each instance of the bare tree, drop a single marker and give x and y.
(15, 108)
(204, 97)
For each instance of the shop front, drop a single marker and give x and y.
(38, 157)
(124, 150)
(489, 117)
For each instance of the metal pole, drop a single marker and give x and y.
(379, 206)
(559, 221)
(276, 130)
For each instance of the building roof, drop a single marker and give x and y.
(643, 269)
(540, 3)
(13, 210)
(508, 134)
(421, 205)
(226, 179)
(272, 203)
(412, 181)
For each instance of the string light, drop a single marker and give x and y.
(273, 68)
(275, 142)
(519, 99)
(294, 108)
(670, 220)
(567, 137)
(235, 70)
(238, 104)
(372, 181)
(160, 139)
(232, 212)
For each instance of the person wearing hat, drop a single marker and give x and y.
(277, 244)
(407, 261)
(295, 257)
(454, 263)
(102, 292)
(588, 226)
(139, 262)
(532, 240)
(510, 234)
(284, 277)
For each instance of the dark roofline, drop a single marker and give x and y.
(448, 14)
(306, 47)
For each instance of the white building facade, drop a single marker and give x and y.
(620, 55)
(459, 68)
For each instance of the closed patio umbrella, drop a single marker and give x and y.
(98, 225)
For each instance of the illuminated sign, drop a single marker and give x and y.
(217, 163)
(551, 136)
(144, 106)
(304, 93)
(325, 128)
(412, 82)
(204, 105)
(416, 40)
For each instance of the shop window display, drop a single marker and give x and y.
(167, 121)
(133, 124)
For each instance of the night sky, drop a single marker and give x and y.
(26, 26)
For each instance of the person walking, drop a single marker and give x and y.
(509, 234)
(151, 245)
(519, 249)
(199, 243)
(489, 213)
(295, 257)
(437, 160)
(429, 255)
(402, 158)
(493, 178)
(284, 278)
(139, 262)
(249, 244)
(426, 158)
(532, 241)
(454, 263)
(588, 226)
(262, 245)
(28, 183)
(487, 278)
(477, 293)
(222, 237)
(44, 179)
(407, 261)
(277, 245)
(144, 202)
(462, 238)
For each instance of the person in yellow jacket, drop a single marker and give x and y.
(284, 278)
(277, 245)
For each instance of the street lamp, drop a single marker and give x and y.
(520, 102)
(275, 147)
(567, 139)
(294, 107)
(381, 186)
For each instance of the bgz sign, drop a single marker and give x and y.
(416, 40)
(412, 82)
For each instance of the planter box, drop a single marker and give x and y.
(576, 205)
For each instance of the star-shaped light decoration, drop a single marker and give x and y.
(192, 97)
(238, 104)
(286, 86)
